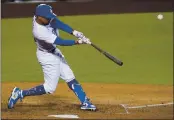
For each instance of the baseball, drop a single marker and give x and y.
(160, 16)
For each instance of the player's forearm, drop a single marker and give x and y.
(62, 42)
(56, 23)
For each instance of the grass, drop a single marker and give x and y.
(141, 41)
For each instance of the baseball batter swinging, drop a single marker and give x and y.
(46, 35)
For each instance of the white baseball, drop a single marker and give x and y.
(160, 16)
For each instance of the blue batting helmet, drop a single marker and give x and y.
(45, 11)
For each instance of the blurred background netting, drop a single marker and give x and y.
(33, 1)
(21, 1)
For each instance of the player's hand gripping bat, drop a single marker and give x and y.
(114, 59)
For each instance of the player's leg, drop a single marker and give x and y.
(17, 94)
(51, 70)
(51, 77)
(67, 74)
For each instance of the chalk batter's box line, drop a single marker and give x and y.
(144, 106)
(153, 105)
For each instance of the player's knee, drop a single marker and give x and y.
(72, 83)
(69, 79)
(49, 89)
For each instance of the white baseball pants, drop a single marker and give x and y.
(53, 67)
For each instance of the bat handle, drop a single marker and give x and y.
(93, 45)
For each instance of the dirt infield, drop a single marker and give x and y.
(107, 98)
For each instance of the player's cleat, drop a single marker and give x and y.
(87, 105)
(15, 96)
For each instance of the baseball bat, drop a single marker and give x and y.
(114, 59)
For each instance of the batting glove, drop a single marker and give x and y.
(84, 40)
(78, 34)
(79, 41)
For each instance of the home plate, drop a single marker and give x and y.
(64, 116)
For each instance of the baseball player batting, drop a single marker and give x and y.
(46, 35)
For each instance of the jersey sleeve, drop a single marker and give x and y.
(56, 23)
(61, 42)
